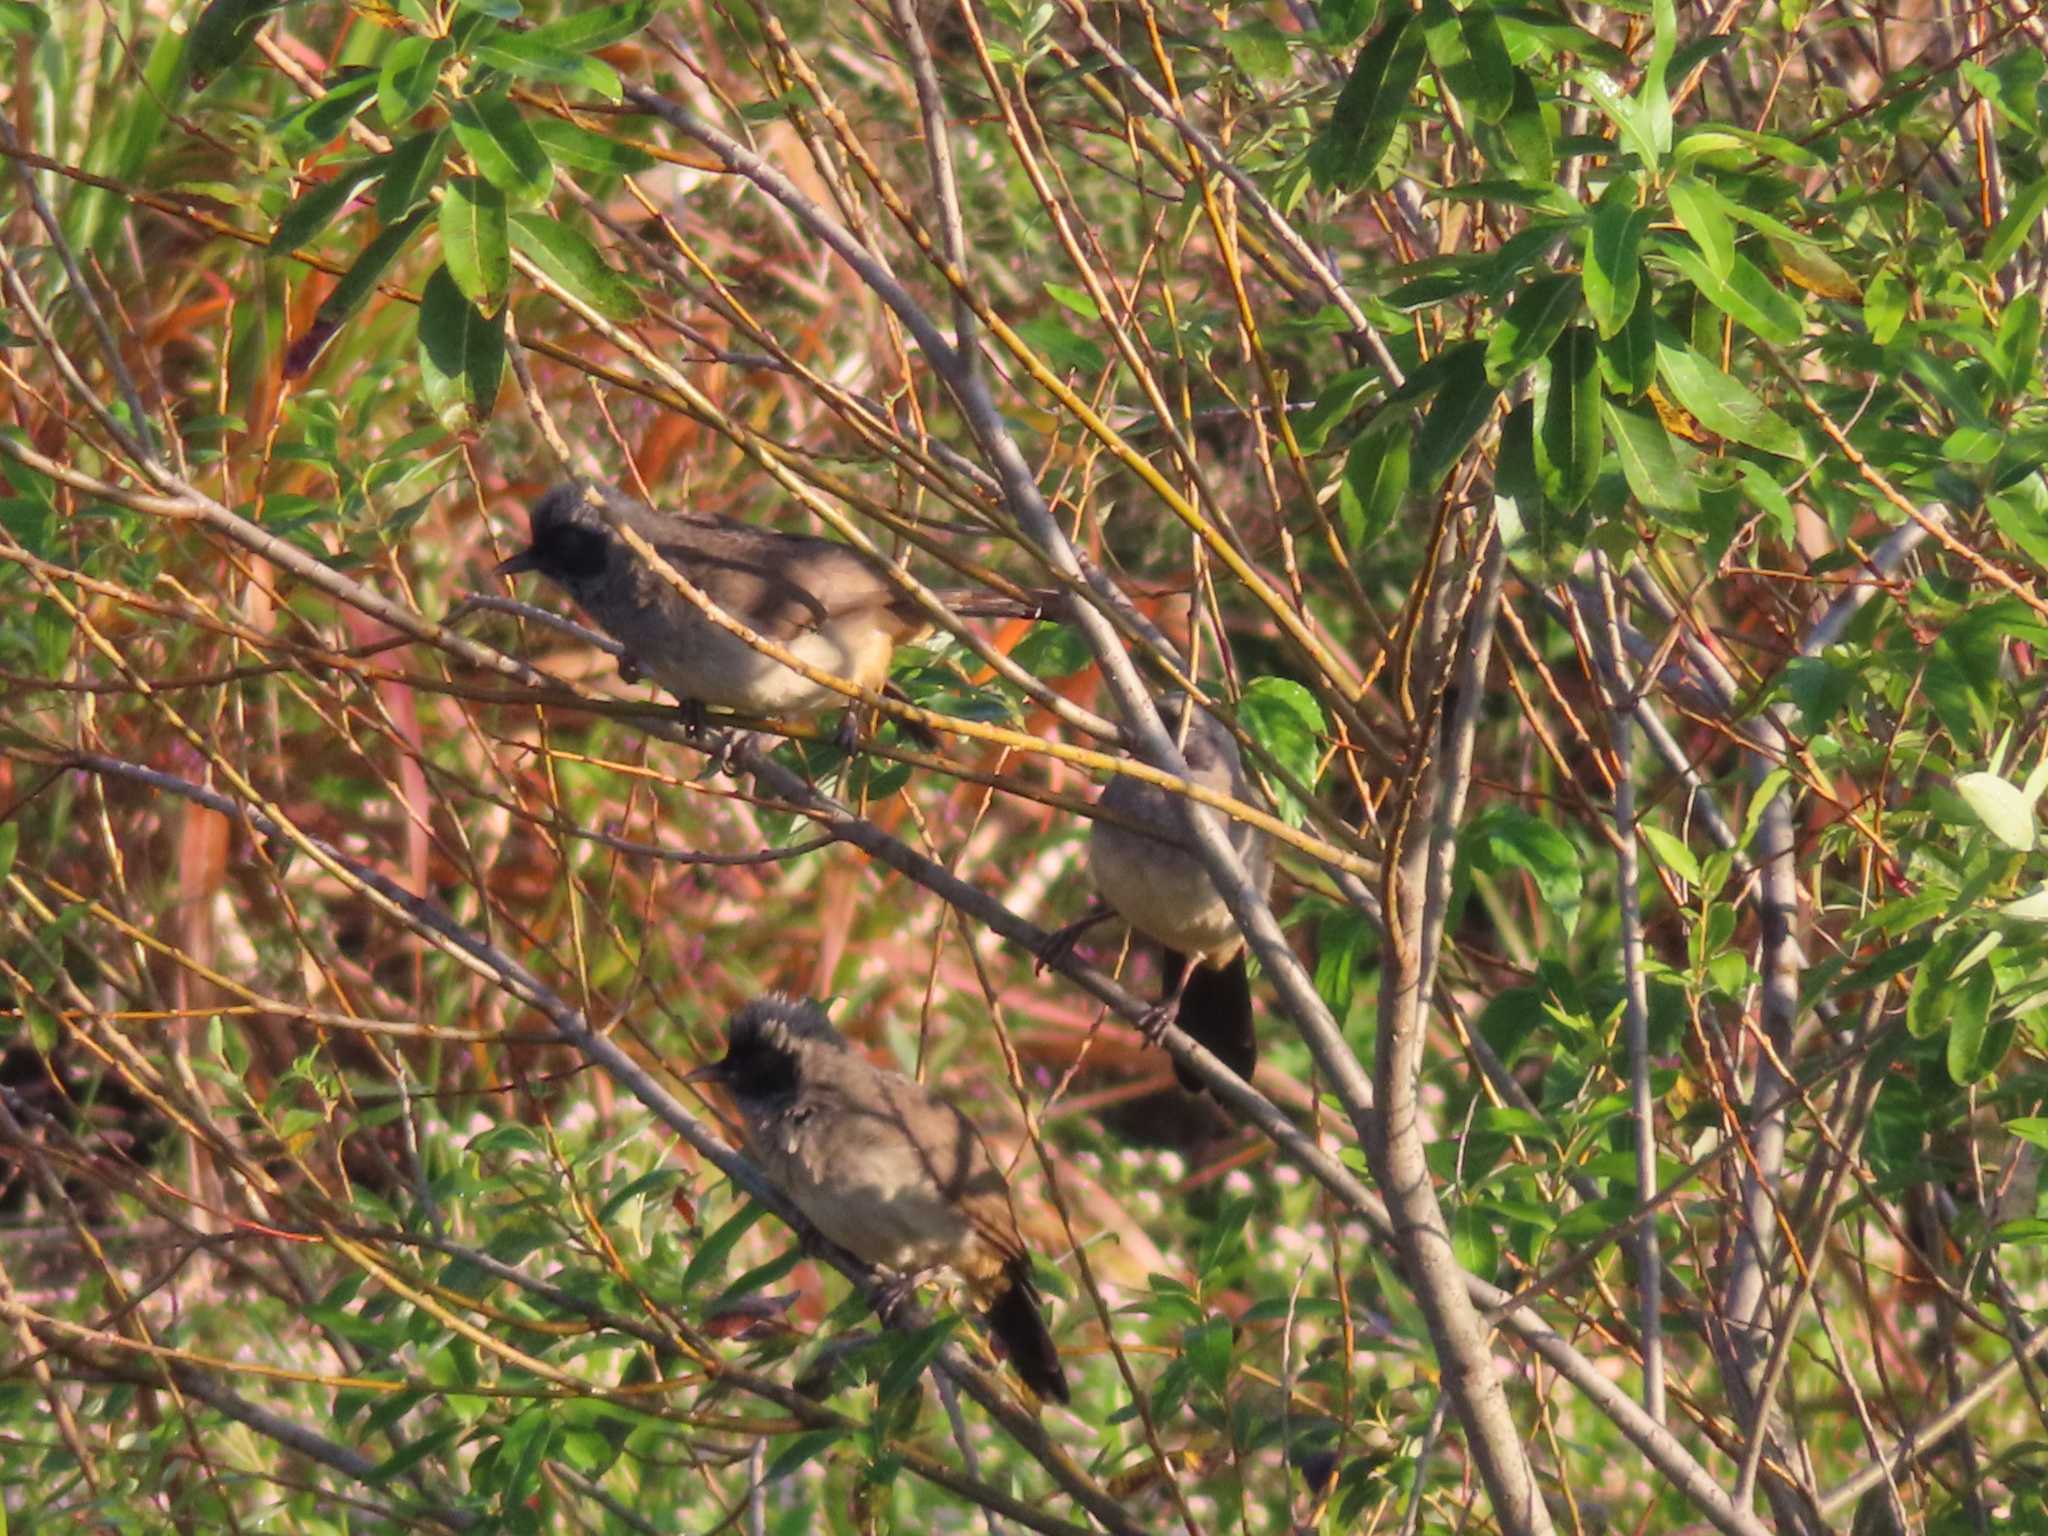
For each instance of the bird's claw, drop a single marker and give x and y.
(1152, 1023)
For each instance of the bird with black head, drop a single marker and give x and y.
(883, 1167)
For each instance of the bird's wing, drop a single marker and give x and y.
(780, 584)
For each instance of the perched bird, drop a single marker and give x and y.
(1155, 882)
(883, 1167)
(825, 602)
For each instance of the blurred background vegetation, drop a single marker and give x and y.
(1713, 331)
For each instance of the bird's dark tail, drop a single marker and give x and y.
(1014, 1318)
(1216, 1008)
(978, 603)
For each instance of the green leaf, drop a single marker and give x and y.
(503, 148)
(2006, 810)
(1464, 399)
(1207, 1350)
(1614, 271)
(1468, 50)
(1375, 480)
(462, 354)
(1532, 323)
(2018, 344)
(581, 149)
(219, 38)
(1628, 359)
(1884, 305)
(1259, 49)
(348, 295)
(1568, 439)
(596, 26)
(20, 19)
(475, 242)
(1052, 650)
(314, 209)
(796, 1450)
(1653, 96)
(1361, 126)
(1488, 84)
(1721, 404)
(525, 56)
(10, 840)
(1338, 400)
(1648, 460)
(709, 1260)
(1745, 294)
(320, 121)
(1976, 1042)
(406, 82)
(1634, 127)
(571, 260)
(409, 174)
(2021, 214)
(1527, 135)
(1701, 211)
(1283, 717)
(1671, 853)
(1505, 836)
(1065, 348)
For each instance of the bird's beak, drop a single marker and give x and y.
(525, 560)
(705, 1074)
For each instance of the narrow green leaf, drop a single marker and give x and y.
(1361, 126)
(461, 353)
(20, 19)
(571, 260)
(2021, 214)
(580, 149)
(503, 148)
(1375, 480)
(1488, 85)
(1721, 404)
(1884, 305)
(218, 39)
(1699, 207)
(1614, 270)
(796, 1450)
(1745, 295)
(410, 174)
(1628, 358)
(1528, 136)
(594, 27)
(1653, 95)
(1463, 402)
(1648, 461)
(525, 56)
(1532, 323)
(405, 83)
(2018, 344)
(315, 208)
(474, 241)
(1672, 853)
(320, 121)
(1568, 440)
(1976, 1044)
(348, 295)
(2006, 810)
(1626, 115)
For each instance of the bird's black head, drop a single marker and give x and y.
(763, 1059)
(570, 540)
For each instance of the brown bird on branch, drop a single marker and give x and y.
(883, 1167)
(831, 606)
(1155, 882)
